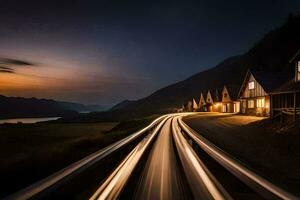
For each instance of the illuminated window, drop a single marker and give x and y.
(251, 85)
(250, 103)
(260, 103)
(298, 66)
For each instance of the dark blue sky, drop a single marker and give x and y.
(106, 51)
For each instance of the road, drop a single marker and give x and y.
(274, 154)
(174, 169)
(160, 178)
(165, 160)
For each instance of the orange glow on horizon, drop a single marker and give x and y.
(18, 82)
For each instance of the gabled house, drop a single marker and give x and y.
(195, 105)
(286, 98)
(255, 91)
(202, 103)
(213, 100)
(230, 102)
(188, 107)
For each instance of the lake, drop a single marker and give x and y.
(27, 120)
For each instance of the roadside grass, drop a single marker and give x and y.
(30, 152)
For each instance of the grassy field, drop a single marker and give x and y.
(29, 152)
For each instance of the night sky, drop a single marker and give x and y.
(106, 51)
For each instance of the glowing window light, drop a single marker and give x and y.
(251, 85)
(250, 103)
(260, 103)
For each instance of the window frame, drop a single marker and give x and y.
(251, 85)
(260, 103)
(252, 103)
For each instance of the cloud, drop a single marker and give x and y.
(6, 70)
(9, 65)
(15, 62)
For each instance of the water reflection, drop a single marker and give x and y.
(27, 120)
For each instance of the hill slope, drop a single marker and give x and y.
(272, 53)
(17, 107)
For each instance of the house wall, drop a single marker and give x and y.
(217, 107)
(211, 105)
(258, 90)
(256, 110)
(228, 105)
(225, 95)
(284, 102)
(231, 107)
(195, 105)
(201, 106)
(256, 95)
(297, 71)
(208, 98)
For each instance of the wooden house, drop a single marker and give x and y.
(202, 103)
(188, 106)
(213, 101)
(255, 91)
(195, 105)
(285, 100)
(230, 102)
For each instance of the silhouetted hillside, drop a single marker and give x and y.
(272, 53)
(122, 105)
(15, 107)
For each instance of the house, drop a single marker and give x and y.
(255, 91)
(195, 105)
(188, 107)
(213, 101)
(285, 100)
(202, 103)
(230, 102)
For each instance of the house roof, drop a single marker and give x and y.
(295, 56)
(268, 80)
(216, 94)
(233, 91)
(288, 87)
(204, 94)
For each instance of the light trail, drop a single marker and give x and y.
(171, 169)
(235, 167)
(115, 183)
(203, 184)
(84, 163)
(160, 178)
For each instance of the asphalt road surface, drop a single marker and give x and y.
(176, 169)
(169, 161)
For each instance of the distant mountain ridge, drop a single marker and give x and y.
(122, 104)
(19, 107)
(271, 54)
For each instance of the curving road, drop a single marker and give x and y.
(166, 160)
(174, 169)
(161, 178)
